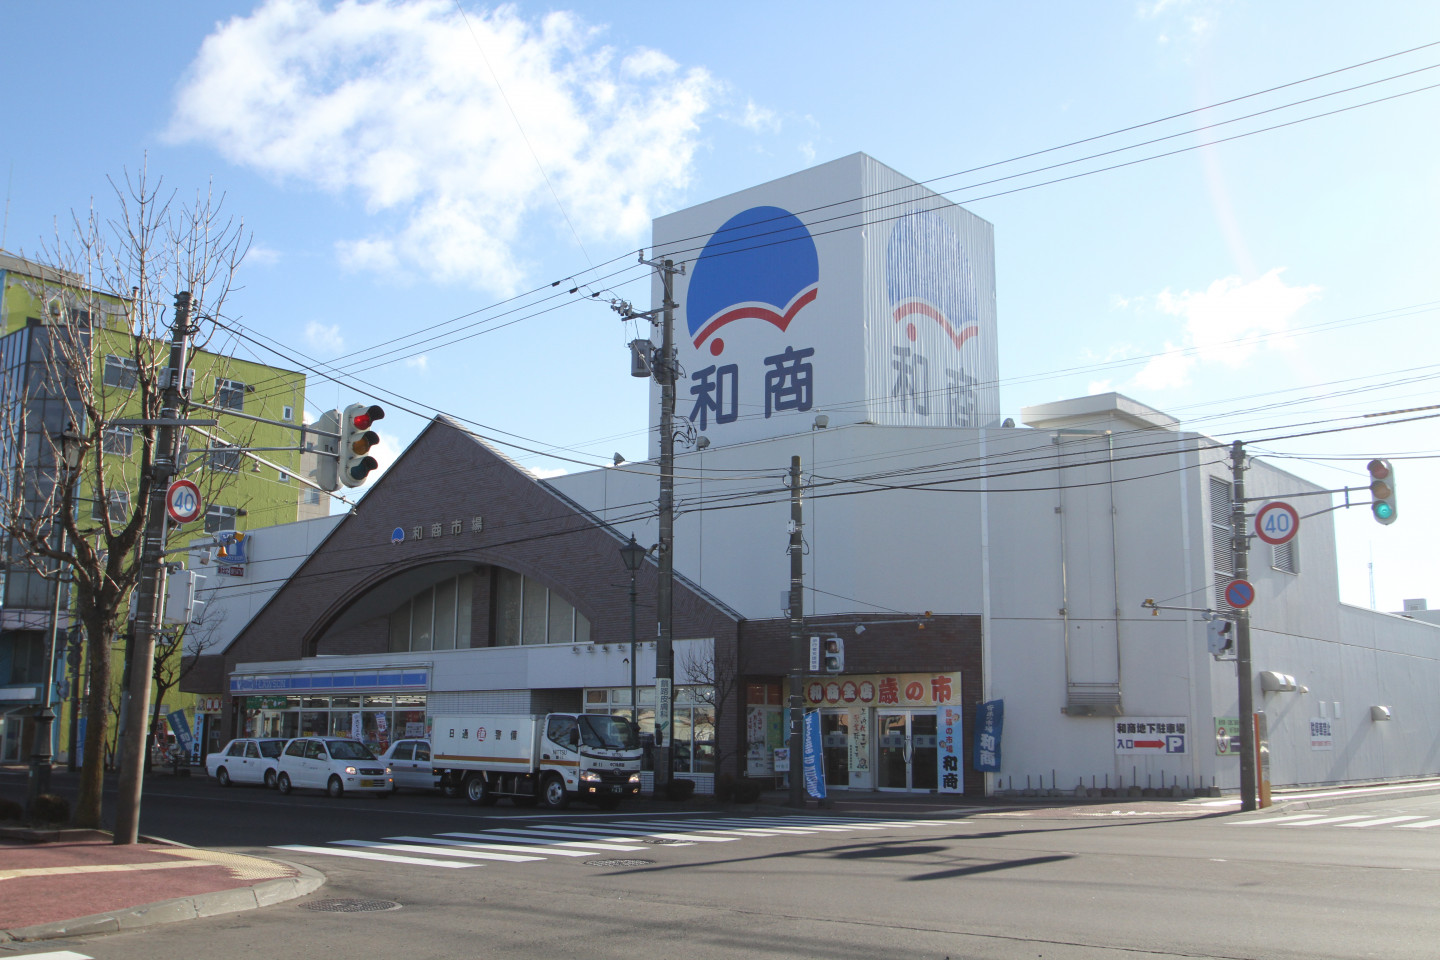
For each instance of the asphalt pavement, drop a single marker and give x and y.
(68, 883)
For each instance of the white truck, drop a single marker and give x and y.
(547, 759)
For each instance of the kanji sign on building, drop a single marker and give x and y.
(1151, 735)
(950, 746)
(885, 689)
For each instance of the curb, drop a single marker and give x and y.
(264, 894)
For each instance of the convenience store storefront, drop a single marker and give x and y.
(376, 706)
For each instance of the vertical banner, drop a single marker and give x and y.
(989, 724)
(357, 726)
(950, 745)
(181, 726)
(663, 695)
(814, 757)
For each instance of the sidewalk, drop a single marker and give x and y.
(77, 882)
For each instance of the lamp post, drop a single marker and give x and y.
(72, 449)
(633, 555)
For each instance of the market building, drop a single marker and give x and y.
(975, 572)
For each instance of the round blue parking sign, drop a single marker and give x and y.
(1240, 594)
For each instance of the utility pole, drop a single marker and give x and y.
(797, 639)
(665, 649)
(663, 365)
(1240, 550)
(152, 580)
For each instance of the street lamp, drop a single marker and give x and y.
(72, 451)
(633, 555)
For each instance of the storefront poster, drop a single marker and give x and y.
(357, 726)
(1321, 736)
(989, 725)
(859, 747)
(814, 757)
(1227, 736)
(950, 746)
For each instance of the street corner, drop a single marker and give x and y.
(83, 888)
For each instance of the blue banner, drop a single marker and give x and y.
(181, 726)
(814, 758)
(989, 723)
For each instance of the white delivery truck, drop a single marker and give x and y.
(549, 759)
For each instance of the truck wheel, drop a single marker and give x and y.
(477, 791)
(552, 793)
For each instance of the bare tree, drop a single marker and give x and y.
(714, 679)
(107, 297)
(177, 651)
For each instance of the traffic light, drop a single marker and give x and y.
(1382, 490)
(834, 655)
(1221, 636)
(356, 441)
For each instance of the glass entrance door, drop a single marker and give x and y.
(907, 751)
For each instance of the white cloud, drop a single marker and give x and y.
(421, 362)
(261, 255)
(323, 338)
(392, 100)
(759, 119)
(1215, 318)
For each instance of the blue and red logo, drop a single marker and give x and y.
(761, 265)
(928, 278)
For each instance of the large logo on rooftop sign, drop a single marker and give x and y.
(759, 268)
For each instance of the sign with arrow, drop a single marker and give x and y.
(1151, 735)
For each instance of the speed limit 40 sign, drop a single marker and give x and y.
(182, 501)
(1277, 522)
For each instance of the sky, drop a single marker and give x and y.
(427, 170)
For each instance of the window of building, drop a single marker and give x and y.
(1285, 557)
(118, 440)
(119, 501)
(229, 394)
(218, 518)
(528, 612)
(284, 477)
(224, 457)
(121, 372)
(287, 413)
(692, 722)
(435, 618)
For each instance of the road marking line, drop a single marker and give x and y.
(414, 848)
(1420, 826)
(524, 836)
(1316, 823)
(583, 833)
(599, 833)
(362, 855)
(1286, 818)
(1381, 821)
(57, 955)
(547, 849)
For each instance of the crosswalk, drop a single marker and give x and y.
(1352, 821)
(459, 850)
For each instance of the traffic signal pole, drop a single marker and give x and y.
(152, 581)
(1240, 552)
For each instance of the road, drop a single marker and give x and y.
(1080, 883)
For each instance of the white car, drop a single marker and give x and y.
(332, 764)
(246, 760)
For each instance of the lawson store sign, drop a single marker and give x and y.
(331, 682)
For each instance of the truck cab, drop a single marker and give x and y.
(597, 756)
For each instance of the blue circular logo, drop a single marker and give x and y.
(397, 535)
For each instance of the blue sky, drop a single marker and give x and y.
(390, 187)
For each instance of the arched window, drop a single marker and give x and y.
(527, 611)
(435, 618)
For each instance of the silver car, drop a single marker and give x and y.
(409, 760)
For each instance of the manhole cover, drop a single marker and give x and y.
(659, 840)
(618, 863)
(350, 906)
